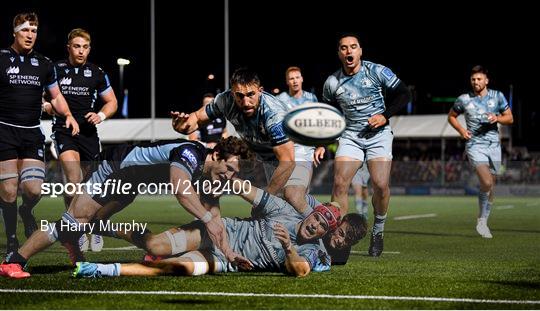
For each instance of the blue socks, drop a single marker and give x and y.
(112, 269)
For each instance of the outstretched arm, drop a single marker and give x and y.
(285, 155)
(187, 123)
(189, 199)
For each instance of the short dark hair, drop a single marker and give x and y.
(479, 69)
(233, 146)
(347, 34)
(357, 228)
(26, 16)
(244, 76)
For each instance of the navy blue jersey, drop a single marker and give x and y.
(80, 86)
(22, 81)
(143, 161)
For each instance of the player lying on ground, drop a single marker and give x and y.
(280, 240)
(181, 159)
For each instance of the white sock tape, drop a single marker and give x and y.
(200, 266)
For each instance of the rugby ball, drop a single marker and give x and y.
(314, 124)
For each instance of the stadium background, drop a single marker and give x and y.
(431, 48)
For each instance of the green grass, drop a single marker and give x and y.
(440, 256)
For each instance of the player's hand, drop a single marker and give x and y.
(215, 230)
(47, 108)
(283, 236)
(492, 118)
(318, 155)
(70, 122)
(465, 134)
(241, 262)
(93, 118)
(180, 122)
(377, 121)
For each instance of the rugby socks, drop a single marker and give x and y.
(27, 205)
(112, 269)
(9, 213)
(378, 225)
(15, 257)
(484, 204)
(361, 207)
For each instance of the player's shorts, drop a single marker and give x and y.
(481, 154)
(366, 146)
(86, 143)
(361, 177)
(21, 143)
(303, 153)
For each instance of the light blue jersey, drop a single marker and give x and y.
(291, 101)
(476, 111)
(262, 131)
(255, 239)
(360, 95)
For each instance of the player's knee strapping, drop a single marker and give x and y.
(200, 265)
(68, 229)
(178, 241)
(8, 176)
(32, 173)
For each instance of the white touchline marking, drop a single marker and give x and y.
(533, 204)
(415, 216)
(365, 252)
(504, 207)
(270, 295)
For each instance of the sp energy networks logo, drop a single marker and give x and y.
(12, 70)
(65, 81)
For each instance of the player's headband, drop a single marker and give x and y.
(24, 25)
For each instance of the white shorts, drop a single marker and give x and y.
(367, 147)
(489, 155)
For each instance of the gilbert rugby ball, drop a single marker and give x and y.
(314, 124)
